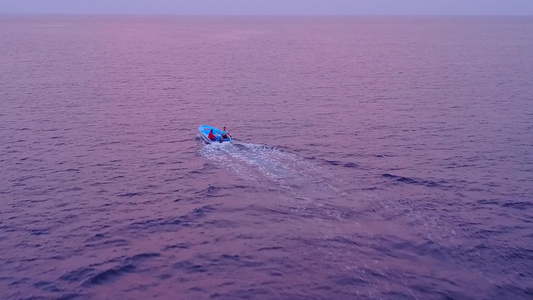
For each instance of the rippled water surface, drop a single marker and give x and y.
(375, 158)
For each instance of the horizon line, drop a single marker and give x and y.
(266, 15)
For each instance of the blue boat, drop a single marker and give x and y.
(204, 134)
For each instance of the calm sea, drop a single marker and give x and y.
(375, 158)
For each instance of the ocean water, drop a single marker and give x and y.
(374, 157)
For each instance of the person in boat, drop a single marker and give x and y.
(211, 136)
(225, 134)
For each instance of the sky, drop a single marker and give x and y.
(270, 7)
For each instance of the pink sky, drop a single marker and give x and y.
(271, 7)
